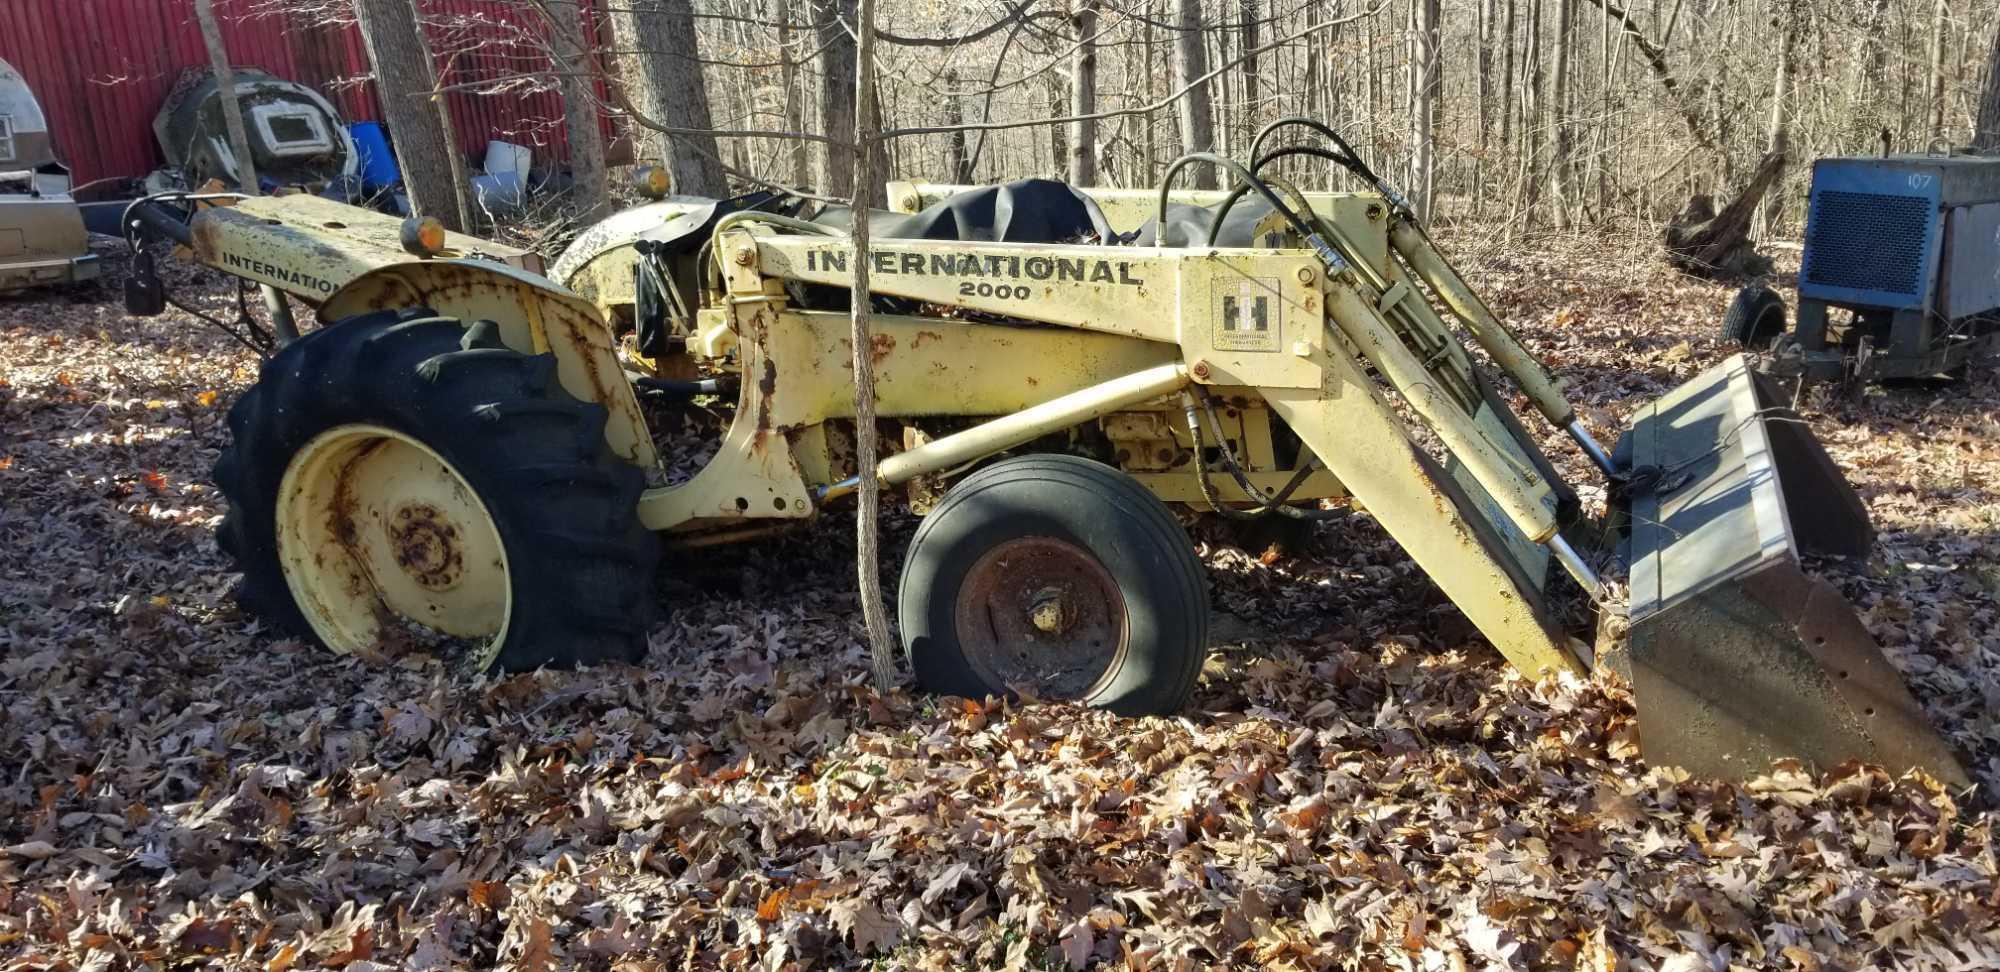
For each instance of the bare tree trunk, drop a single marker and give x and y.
(1561, 189)
(588, 188)
(1314, 107)
(1484, 40)
(794, 99)
(837, 92)
(954, 116)
(1251, 117)
(1058, 135)
(225, 86)
(1779, 140)
(1152, 147)
(1335, 81)
(1531, 114)
(1937, 69)
(1423, 108)
(1221, 100)
(405, 78)
(1083, 95)
(1196, 113)
(662, 75)
(1370, 83)
(881, 649)
(1603, 146)
(1987, 137)
(1507, 79)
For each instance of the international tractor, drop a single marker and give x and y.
(462, 446)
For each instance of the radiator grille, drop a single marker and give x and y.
(1868, 241)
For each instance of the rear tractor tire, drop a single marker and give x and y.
(400, 467)
(1060, 578)
(1755, 318)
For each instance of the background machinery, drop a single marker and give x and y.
(42, 236)
(463, 448)
(1900, 277)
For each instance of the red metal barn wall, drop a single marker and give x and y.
(102, 68)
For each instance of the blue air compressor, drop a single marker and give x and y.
(1900, 277)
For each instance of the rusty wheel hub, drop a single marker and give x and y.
(426, 546)
(374, 525)
(1042, 615)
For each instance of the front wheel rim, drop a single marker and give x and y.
(373, 525)
(1043, 614)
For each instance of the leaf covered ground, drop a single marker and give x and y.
(1360, 782)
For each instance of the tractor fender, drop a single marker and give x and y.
(535, 317)
(598, 265)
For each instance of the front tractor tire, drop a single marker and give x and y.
(400, 467)
(1056, 577)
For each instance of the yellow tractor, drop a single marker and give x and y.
(462, 448)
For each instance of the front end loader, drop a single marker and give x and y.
(458, 450)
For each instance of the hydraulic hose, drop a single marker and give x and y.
(1349, 159)
(1327, 254)
(156, 220)
(1267, 505)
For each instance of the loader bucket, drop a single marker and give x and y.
(1736, 657)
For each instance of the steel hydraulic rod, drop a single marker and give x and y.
(1026, 425)
(1578, 569)
(1590, 446)
(1486, 328)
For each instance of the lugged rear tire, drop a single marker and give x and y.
(578, 564)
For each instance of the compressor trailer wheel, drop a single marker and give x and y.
(1058, 576)
(401, 466)
(1754, 319)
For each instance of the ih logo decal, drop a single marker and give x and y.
(1248, 317)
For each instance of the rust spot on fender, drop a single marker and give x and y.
(767, 389)
(880, 346)
(922, 336)
(768, 381)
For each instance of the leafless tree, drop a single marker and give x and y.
(1196, 111)
(225, 84)
(572, 48)
(1083, 95)
(405, 77)
(660, 68)
(1986, 134)
(833, 20)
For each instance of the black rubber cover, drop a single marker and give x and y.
(1022, 211)
(1188, 225)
